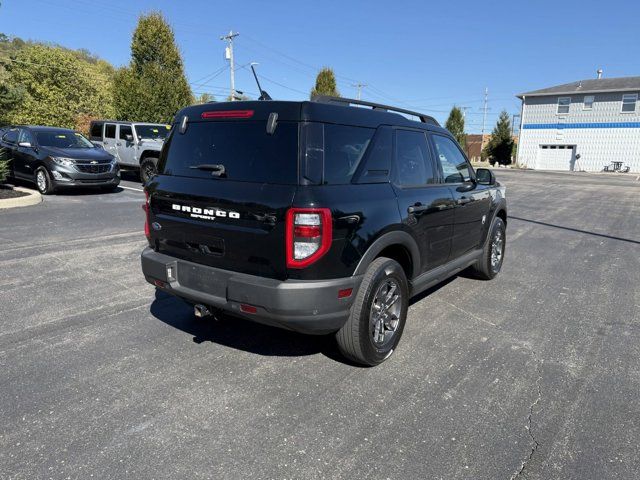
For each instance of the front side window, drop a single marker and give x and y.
(563, 105)
(629, 102)
(25, 136)
(588, 102)
(413, 159)
(455, 168)
(124, 131)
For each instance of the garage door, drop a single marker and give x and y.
(556, 157)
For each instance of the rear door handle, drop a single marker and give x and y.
(463, 201)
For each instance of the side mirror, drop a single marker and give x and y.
(25, 144)
(484, 176)
(128, 137)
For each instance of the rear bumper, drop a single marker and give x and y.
(301, 305)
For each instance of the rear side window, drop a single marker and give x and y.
(413, 161)
(331, 154)
(96, 130)
(245, 149)
(110, 131)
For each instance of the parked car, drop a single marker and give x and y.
(318, 216)
(54, 158)
(135, 145)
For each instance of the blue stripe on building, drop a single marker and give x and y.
(563, 126)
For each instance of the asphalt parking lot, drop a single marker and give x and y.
(534, 375)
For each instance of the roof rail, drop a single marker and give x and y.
(375, 106)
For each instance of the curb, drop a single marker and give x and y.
(33, 198)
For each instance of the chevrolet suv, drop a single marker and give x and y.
(317, 216)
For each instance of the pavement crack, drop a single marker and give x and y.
(529, 427)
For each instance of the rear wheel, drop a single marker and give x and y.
(148, 168)
(378, 315)
(43, 181)
(490, 264)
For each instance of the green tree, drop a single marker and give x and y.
(153, 87)
(325, 83)
(500, 147)
(455, 124)
(4, 164)
(50, 85)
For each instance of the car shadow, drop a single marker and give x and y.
(67, 191)
(241, 334)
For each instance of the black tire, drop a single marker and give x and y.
(148, 168)
(43, 181)
(356, 338)
(487, 268)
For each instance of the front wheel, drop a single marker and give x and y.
(378, 314)
(490, 263)
(43, 181)
(148, 168)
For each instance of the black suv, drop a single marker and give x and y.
(317, 216)
(54, 157)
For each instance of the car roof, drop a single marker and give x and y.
(122, 122)
(310, 111)
(42, 128)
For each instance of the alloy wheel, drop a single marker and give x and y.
(385, 312)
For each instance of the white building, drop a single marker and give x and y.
(581, 126)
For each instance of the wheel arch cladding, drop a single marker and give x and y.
(149, 153)
(399, 246)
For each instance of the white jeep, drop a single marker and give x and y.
(135, 145)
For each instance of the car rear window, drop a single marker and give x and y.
(247, 151)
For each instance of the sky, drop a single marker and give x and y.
(422, 55)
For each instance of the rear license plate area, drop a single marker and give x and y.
(202, 279)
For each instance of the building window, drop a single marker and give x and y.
(588, 102)
(629, 102)
(563, 105)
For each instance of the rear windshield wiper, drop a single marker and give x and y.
(215, 169)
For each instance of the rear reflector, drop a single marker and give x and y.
(248, 308)
(345, 293)
(159, 283)
(228, 114)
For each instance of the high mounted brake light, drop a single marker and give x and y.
(308, 235)
(227, 114)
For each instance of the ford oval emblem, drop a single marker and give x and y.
(156, 226)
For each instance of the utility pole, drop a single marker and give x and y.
(359, 86)
(229, 55)
(513, 122)
(464, 112)
(484, 110)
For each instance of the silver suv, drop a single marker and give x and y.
(135, 145)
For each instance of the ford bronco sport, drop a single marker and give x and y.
(317, 216)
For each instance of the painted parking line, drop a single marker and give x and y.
(131, 188)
